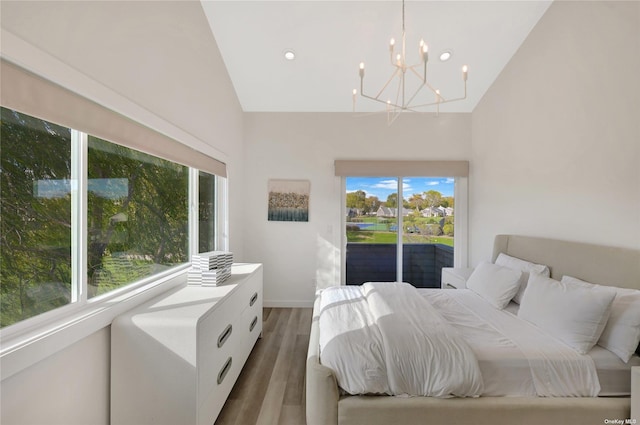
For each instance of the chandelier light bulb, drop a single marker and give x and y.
(392, 43)
(465, 70)
(361, 69)
(355, 92)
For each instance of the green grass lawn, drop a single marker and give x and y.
(365, 236)
(445, 240)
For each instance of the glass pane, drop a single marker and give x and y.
(427, 226)
(206, 212)
(35, 216)
(372, 229)
(137, 216)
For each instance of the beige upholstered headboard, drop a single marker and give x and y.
(605, 265)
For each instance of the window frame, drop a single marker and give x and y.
(461, 228)
(31, 340)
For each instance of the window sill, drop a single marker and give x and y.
(24, 349)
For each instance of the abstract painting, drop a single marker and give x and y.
(289, 200)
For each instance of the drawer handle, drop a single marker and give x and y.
(224, 336)
(254, 322)
(225, 369)
(254, 298)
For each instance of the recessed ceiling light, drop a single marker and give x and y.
(445, 56)
(289, 54)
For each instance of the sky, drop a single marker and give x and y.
(382, 187)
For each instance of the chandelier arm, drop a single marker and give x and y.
(422, 78)
(384, 102)
(391, 118)
(433, 90)
(415, 94)
(402, 80)
(387, 83)
(439, 103)
(400, 90)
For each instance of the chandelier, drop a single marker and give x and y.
(407, 97)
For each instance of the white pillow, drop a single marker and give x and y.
(621, 334)
(525, 267)
(494, 283)
(574, 314)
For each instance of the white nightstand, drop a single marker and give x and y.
(635, 394)
(455, 278)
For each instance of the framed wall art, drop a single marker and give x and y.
(289, 200)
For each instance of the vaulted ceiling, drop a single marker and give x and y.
(331, 38)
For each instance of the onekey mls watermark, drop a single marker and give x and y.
(620, 421)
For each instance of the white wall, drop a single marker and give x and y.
(70, 387)
(303, 146)
(156, 62)
(556, 139)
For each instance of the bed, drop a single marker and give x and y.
(327, 404)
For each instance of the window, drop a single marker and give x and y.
(427, 229)
(137, 216)
(372, 229)
(408, 217)
(57, 185)
(382, 232)
(206, 212)
(35, 216)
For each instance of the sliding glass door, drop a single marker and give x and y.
(399, 220)
(427, 229)
(372, 229)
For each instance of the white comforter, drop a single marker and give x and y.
(503, 343)
(384, 338)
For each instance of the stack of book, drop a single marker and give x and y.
(210, 268)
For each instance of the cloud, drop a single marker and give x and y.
(433, 183)
(450, 180)
(386, 184)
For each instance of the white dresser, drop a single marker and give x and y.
(175, 359)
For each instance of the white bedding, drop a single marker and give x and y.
(614, 375)
(515, 357)
(384, 338)
(369, 353)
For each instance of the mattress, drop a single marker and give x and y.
(505, 369)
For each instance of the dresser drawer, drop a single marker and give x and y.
(219, 334)
(246, 295)
(251, 324)
(213, 401)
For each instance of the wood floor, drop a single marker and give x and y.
(270, 389)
